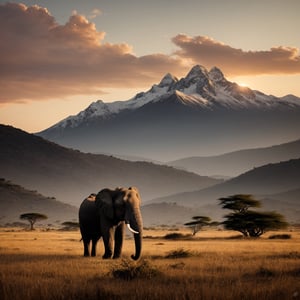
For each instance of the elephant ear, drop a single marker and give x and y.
(104, 203)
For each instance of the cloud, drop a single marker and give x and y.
(208, 52)
(95, 13)
(41, 59)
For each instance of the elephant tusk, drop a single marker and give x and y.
(132, 230)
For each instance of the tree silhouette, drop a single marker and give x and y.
(32, 218)
(248, 222)
(199, 222)
(239, 203)
(68, 225)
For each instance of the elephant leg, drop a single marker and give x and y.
(94, 245)
(119, 237)
(86, 246)
(108, 243)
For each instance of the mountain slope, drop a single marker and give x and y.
(287, 203)
(237, 162)
(157, 214)
(200, 114)
(280, 178)
(71, 175)
(15, 200)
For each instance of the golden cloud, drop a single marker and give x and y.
(40, 59)
(208, 52)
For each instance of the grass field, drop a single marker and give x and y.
(50, 265)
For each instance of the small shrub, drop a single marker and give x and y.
(295, 272)
(264, 272)
(129, 270)
(280, 236)
(178, 266)
(236, 237)
(179, 253)
(174, 236)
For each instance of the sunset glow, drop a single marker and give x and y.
(242, 84)
(69, 55)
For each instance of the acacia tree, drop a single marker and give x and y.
(32, 218)
(239, 203)
(68, 225)
(248, 222)
(198, 223)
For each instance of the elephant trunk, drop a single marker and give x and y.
(136, 225)
(138, 246)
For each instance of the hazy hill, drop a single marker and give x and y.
(287, 203)
(198, 115)
(237, 162)
(157, 214)
(15, 200)
(280, 179)
(71, 175)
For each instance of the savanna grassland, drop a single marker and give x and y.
(50, 265)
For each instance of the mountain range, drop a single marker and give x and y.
(169, 196)
(277, 185)
(202, 114)
(220, 128)
(237, 162)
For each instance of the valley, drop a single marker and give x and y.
(184, 143)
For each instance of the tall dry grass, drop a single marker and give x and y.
(49, 265)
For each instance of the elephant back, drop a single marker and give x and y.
(88, 214)
(104, 203)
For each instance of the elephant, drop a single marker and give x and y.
(112, 210)
(89, 224)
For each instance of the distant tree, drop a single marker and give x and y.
(239, 203)
(250, 223)
(32, 218)
(68, 225)
(198, 223)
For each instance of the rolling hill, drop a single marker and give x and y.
(70, 175)
(238, 162)
(16, 200)
(278, 184)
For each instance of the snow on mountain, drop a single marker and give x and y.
(200, 114)
(105, 110)
(207, 89)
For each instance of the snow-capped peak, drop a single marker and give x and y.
(196, 72)
(216, 75)
(200, 87)
(168, 80)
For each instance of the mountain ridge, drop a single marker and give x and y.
(276, 177)
(71, 175)
(196, 88)
(15, 200)
(237, 162)
(200, 114)
(277, 184)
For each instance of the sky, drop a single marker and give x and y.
(59, 56)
